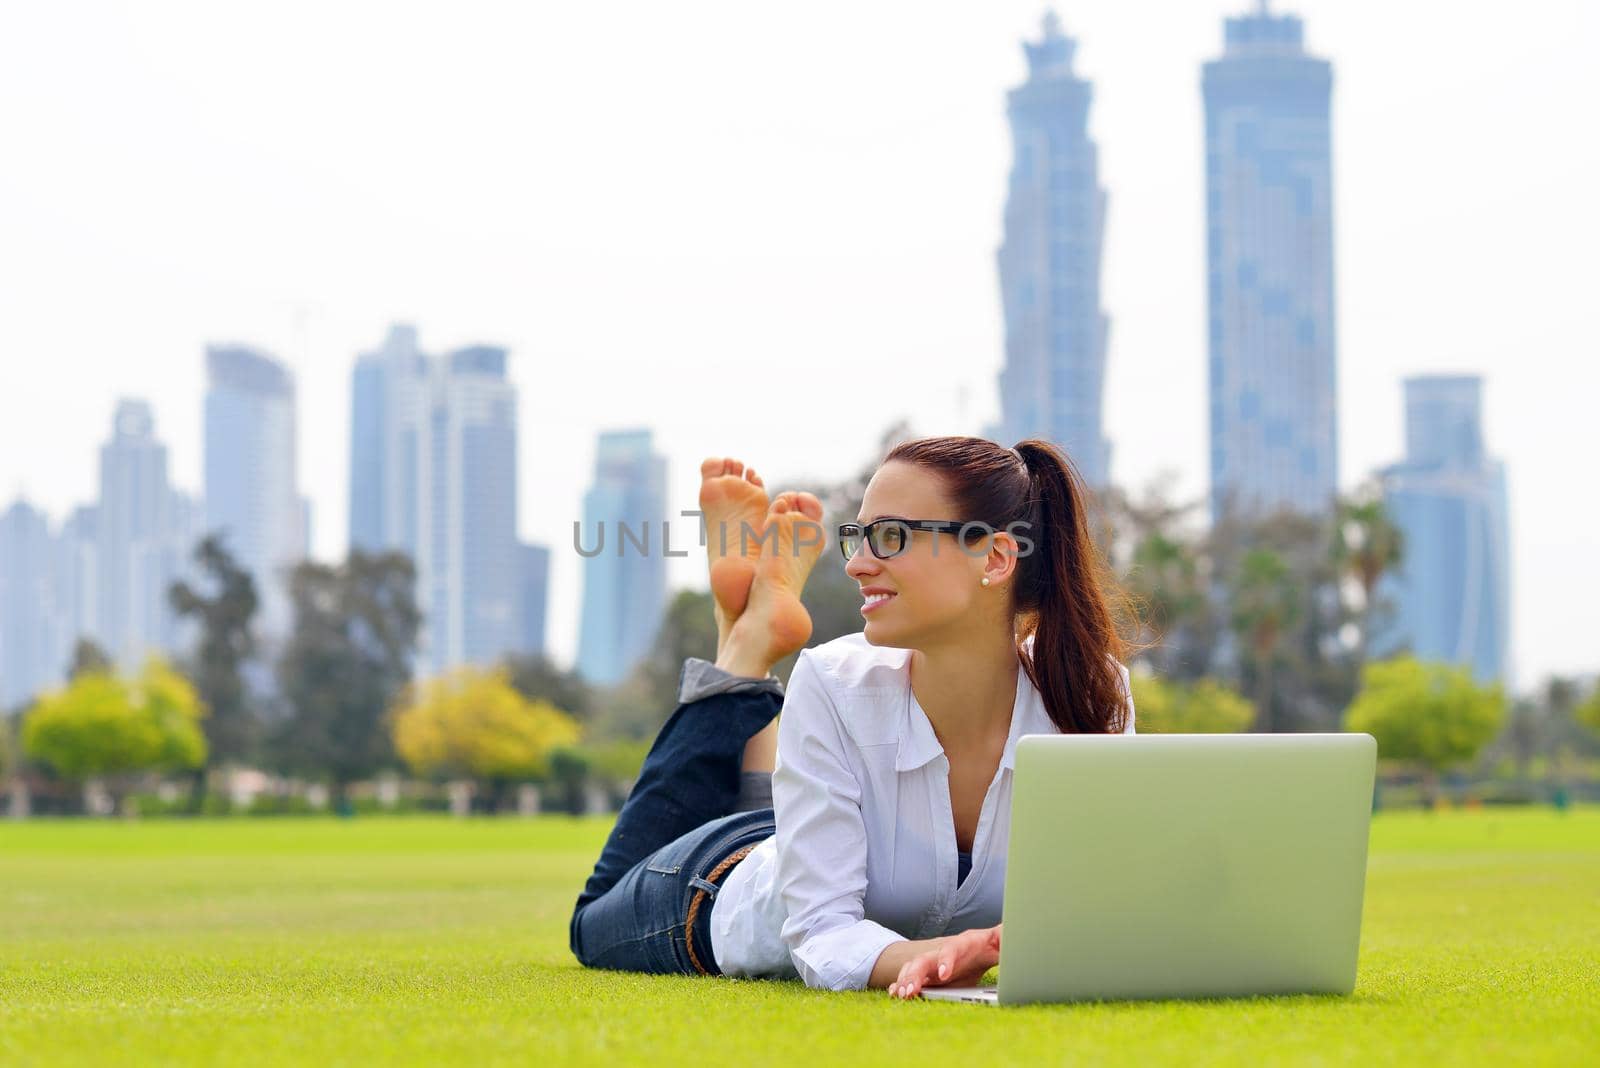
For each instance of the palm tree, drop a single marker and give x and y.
(1165, 578)
(1162, 562)
(1366, 546)
(1266, 606)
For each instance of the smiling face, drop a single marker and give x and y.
(931, 592)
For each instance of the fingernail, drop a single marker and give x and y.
(944, 969)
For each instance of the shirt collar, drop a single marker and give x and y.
(917, 744)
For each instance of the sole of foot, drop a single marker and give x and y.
(733, 506)
(774, 622)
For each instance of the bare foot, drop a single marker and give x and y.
(733, 506)
(774, 623)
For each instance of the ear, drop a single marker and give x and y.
(1000, 562)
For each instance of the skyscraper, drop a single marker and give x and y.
(251, 494)
(534, 576)
(31, 625)
(378, 500)
(1452, 592)
(138, 539)
(1269, 251)
(1053, 382)
(75, 576)
(625, 572)
(433, 473)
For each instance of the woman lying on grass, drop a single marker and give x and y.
(860, 839)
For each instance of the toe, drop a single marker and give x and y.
(735, 467)
(808, 505)
(753, 478)
(711, 466)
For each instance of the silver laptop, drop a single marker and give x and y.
(1183, 866)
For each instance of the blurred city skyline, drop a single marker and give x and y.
(787, 231)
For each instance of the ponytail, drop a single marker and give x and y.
(1063, 593)
(1063, 598)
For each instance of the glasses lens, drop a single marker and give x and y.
(849, 540)
(889, 539)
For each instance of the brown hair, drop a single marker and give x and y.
(1062, 592)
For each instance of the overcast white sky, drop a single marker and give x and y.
(767, 230)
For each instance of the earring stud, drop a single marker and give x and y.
(984, 581)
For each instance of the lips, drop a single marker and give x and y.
(875, 599)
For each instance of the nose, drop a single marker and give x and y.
(863, 563)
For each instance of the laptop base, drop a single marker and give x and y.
(983, 995)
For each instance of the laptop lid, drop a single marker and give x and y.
(1155, 866)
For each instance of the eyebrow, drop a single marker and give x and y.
(863, 522)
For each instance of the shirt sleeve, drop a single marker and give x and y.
(822, 843)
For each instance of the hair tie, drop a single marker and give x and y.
(1027, 472)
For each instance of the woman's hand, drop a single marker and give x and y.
(961, 961)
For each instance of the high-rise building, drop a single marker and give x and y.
(433, 473)
(534, 575)
(31, 625)
(625, 570)
(1053, 382)
(1269, 251)
(252, 499)
(1451, 595)
(380, 492)
(75, 576)
(139, 549)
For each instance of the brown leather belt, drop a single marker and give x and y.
(700, 895)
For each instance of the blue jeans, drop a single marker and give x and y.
(677, 825)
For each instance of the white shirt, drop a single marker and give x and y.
(865, 849)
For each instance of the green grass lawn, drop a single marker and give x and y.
(260, 941)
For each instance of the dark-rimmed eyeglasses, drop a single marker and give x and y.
(891, 537)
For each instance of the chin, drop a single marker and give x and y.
(877, 634)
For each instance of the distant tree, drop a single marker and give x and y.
(87, 657)
(617, 762)
(8, 745)
(1588, 711)
(1294, 607)
(225, 643)
(570, 768)
(1367, 545)
(1525, 732)
(1265, 604)
(1165, 580)
(347, 660)
(1202, 707)
(1162, 563)
(1431, 715)
(1544, 724)
(103, 726)
(473, 723)
(537, 678)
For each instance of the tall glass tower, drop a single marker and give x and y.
(433, 473)
(139, 523)
(32, 629)
(1452, 593)
(1269, 254)
(251, 495)
(625, 581)
(534, 596)
(380, 492)
(1053, 382)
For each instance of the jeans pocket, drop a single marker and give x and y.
(663, 869)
